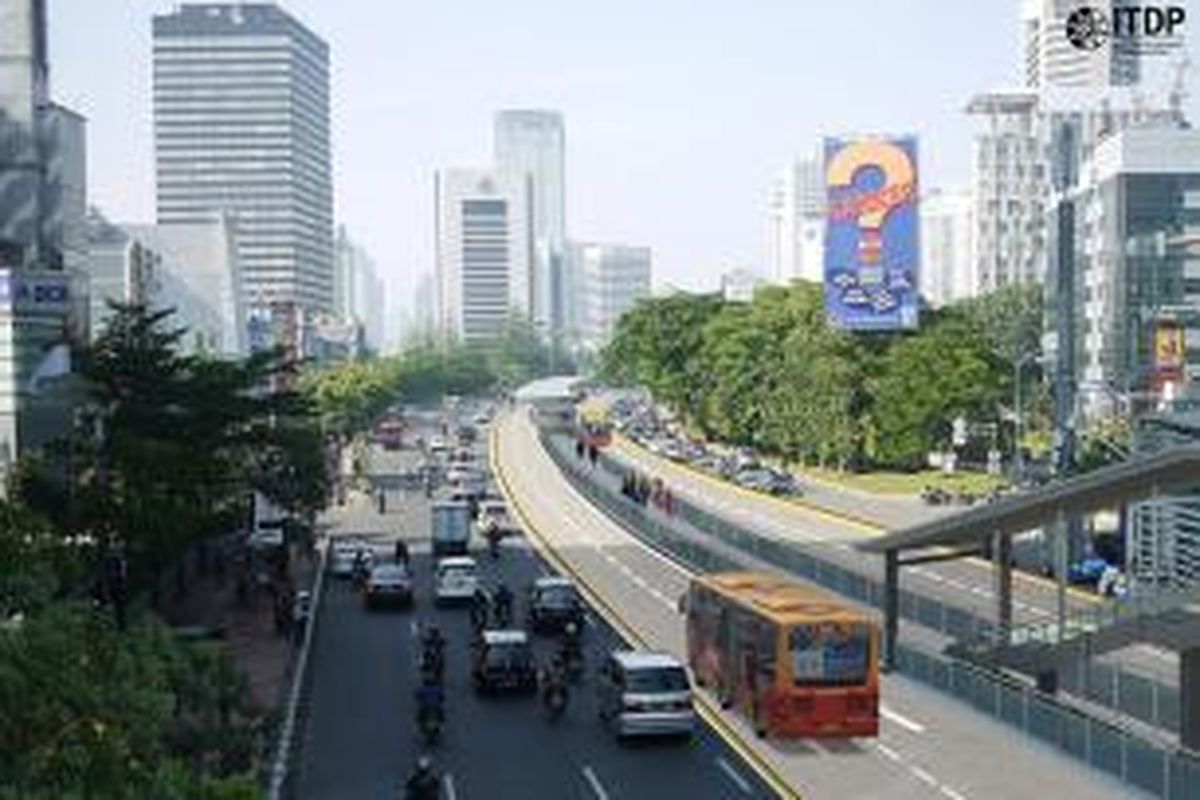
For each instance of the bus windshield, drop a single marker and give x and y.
(830, 654)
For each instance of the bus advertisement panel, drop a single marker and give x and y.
(797, 662)
(871, 231)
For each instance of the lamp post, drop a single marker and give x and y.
(1019, 365)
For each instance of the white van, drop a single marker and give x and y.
(455, 579)
(645, 694)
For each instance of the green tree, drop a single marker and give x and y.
(923, 381)
(657, 345)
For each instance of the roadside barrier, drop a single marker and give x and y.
(1166, 772)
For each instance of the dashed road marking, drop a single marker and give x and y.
(901, 720)
(597, 787)
(924, 776)
(734, 775)
(953, 795)
(448, 782)
(888, 752)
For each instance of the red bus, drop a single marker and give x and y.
(797, 662)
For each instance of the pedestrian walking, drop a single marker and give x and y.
(593, 454)
(579, 449)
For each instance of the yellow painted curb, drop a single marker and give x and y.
(707, 709)
(867, 527)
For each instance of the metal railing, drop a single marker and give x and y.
(1165, 772)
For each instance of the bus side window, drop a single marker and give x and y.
(768, 649)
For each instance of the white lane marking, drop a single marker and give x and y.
(734, 776)
(901, 720)
(594, 782)
(891, 754)
(448, 782)
(412, 628)
(922, 775)
(953, 795)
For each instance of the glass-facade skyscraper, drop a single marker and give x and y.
(530, 145)
(241, 124)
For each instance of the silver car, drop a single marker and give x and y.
(645, 694)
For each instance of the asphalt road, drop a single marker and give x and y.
(966, 583)
(360, 738)
(929, 745)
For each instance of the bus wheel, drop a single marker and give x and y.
(760, 721)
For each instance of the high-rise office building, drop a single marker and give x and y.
(43, 299)
(1051, 60)
(483, 234)
(241, 124)
(531, 143)
(42, 151)
(359, 292)
(796, 222)
(613, 277)
(1136, 214)
(947, 235)
(1009, 190)
(24, 90)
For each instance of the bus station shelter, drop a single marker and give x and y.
(992, 526)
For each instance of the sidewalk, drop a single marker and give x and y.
(259, 649)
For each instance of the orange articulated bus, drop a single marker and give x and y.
(796, 661)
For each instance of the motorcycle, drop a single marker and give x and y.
(554, 701)
(433, 664)
(493, 541)
(431, 728)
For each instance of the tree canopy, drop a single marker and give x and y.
(775, 374)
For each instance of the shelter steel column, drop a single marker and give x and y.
(1060, 573)
(1002, 564)
(891, 607)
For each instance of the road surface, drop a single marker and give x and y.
(360, 738)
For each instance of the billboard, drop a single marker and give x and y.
(1170, 355)
(871, 233)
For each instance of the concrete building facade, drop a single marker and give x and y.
(796, 222)
(484, 241)
(614, 277)
(947, 246)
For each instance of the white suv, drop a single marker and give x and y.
(645, 694)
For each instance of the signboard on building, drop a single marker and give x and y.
(871, 251)
(36, 292)
(1169, 355)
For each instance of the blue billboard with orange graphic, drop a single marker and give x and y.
(871, 229)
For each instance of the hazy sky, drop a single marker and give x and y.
(679, 113)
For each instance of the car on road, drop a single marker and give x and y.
(492, 513)
(553, 602)
(455, 580)
(389, 586)
(642, 693)
(343, 555)
(438, 444)
(504, 661)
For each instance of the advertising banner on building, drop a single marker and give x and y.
(1170, 354)
(871, 250)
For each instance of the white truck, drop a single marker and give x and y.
(451, 529)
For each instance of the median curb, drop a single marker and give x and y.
(707, 709)
(285, 746)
